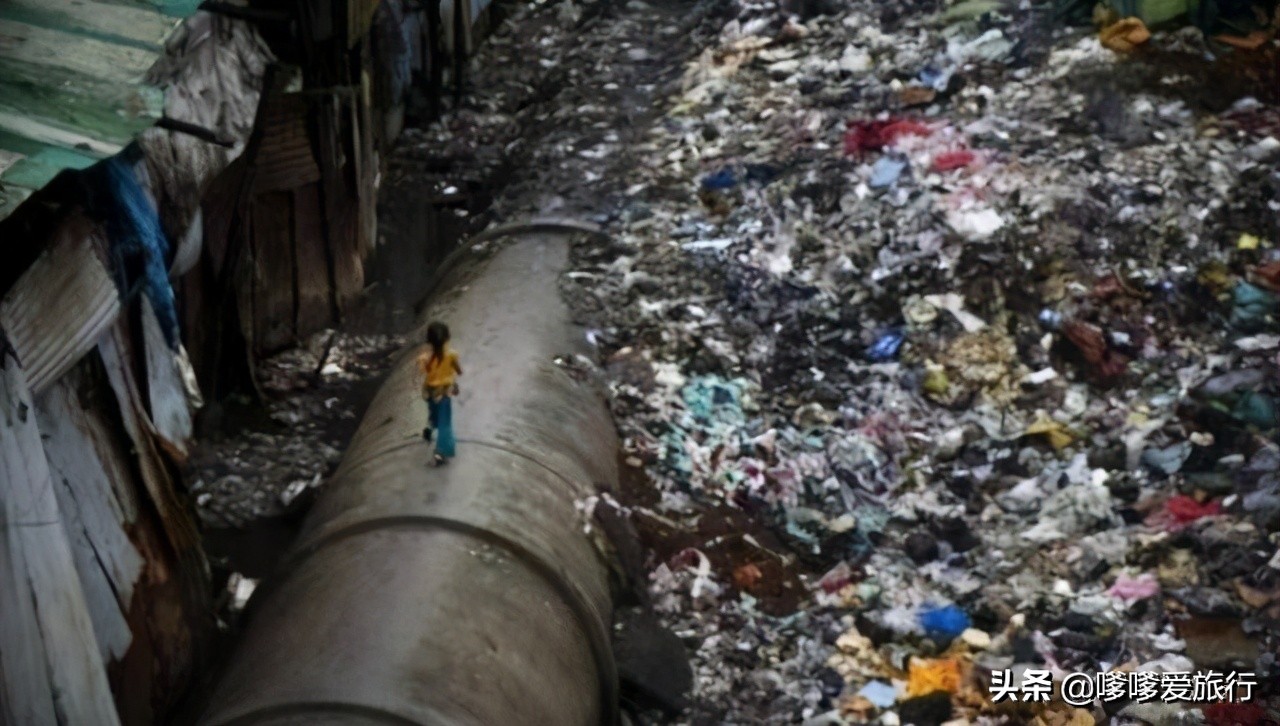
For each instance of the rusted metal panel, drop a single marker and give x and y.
(223, 215)
(337, 143)
(273, 304)
(366, 167)
(286, 157)
(179, 523)
(48, 651)
(56, 311)
(314, 278)
(348, 262)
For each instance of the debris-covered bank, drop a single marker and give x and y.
(965, 325)
(942, 338)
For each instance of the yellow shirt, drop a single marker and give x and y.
(438, 373)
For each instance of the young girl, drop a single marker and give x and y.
(440, 371)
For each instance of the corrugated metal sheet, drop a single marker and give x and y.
(286, 158)
(72, 88)
(56, 311)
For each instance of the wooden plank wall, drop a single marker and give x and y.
(311, 216)
(50, 663)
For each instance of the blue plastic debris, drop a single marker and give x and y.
(712, 399)
(936, 78)
(943, 624)
(879, 693)
(720, 181)
(887, 171)
(138, 244)
(887, 346)
(1257, 409)
(1051, 319)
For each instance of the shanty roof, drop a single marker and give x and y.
(72, 87)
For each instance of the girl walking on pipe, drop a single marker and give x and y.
(440, 370)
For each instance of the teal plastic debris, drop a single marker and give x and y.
(714, 409)
(714, 400)
(943, 624)
(1256, 409)
(1253, 308)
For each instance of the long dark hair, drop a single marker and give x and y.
(437, 336)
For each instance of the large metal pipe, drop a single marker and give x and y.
(465, 594)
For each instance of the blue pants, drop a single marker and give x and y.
(440, 416)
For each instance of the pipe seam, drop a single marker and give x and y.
(566, 227)
(416, 441)
(596, 631)
(316, 708)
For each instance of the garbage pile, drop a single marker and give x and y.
(256, 457)
(973, 322)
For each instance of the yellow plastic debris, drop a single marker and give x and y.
(1214, 276)
(1062, 715)
(1054, 432)
(926, 675)
(1248, 242)
(936, 382)
(1124, 36)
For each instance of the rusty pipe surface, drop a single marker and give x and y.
(465, 594)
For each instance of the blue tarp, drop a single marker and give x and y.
(139, 248)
